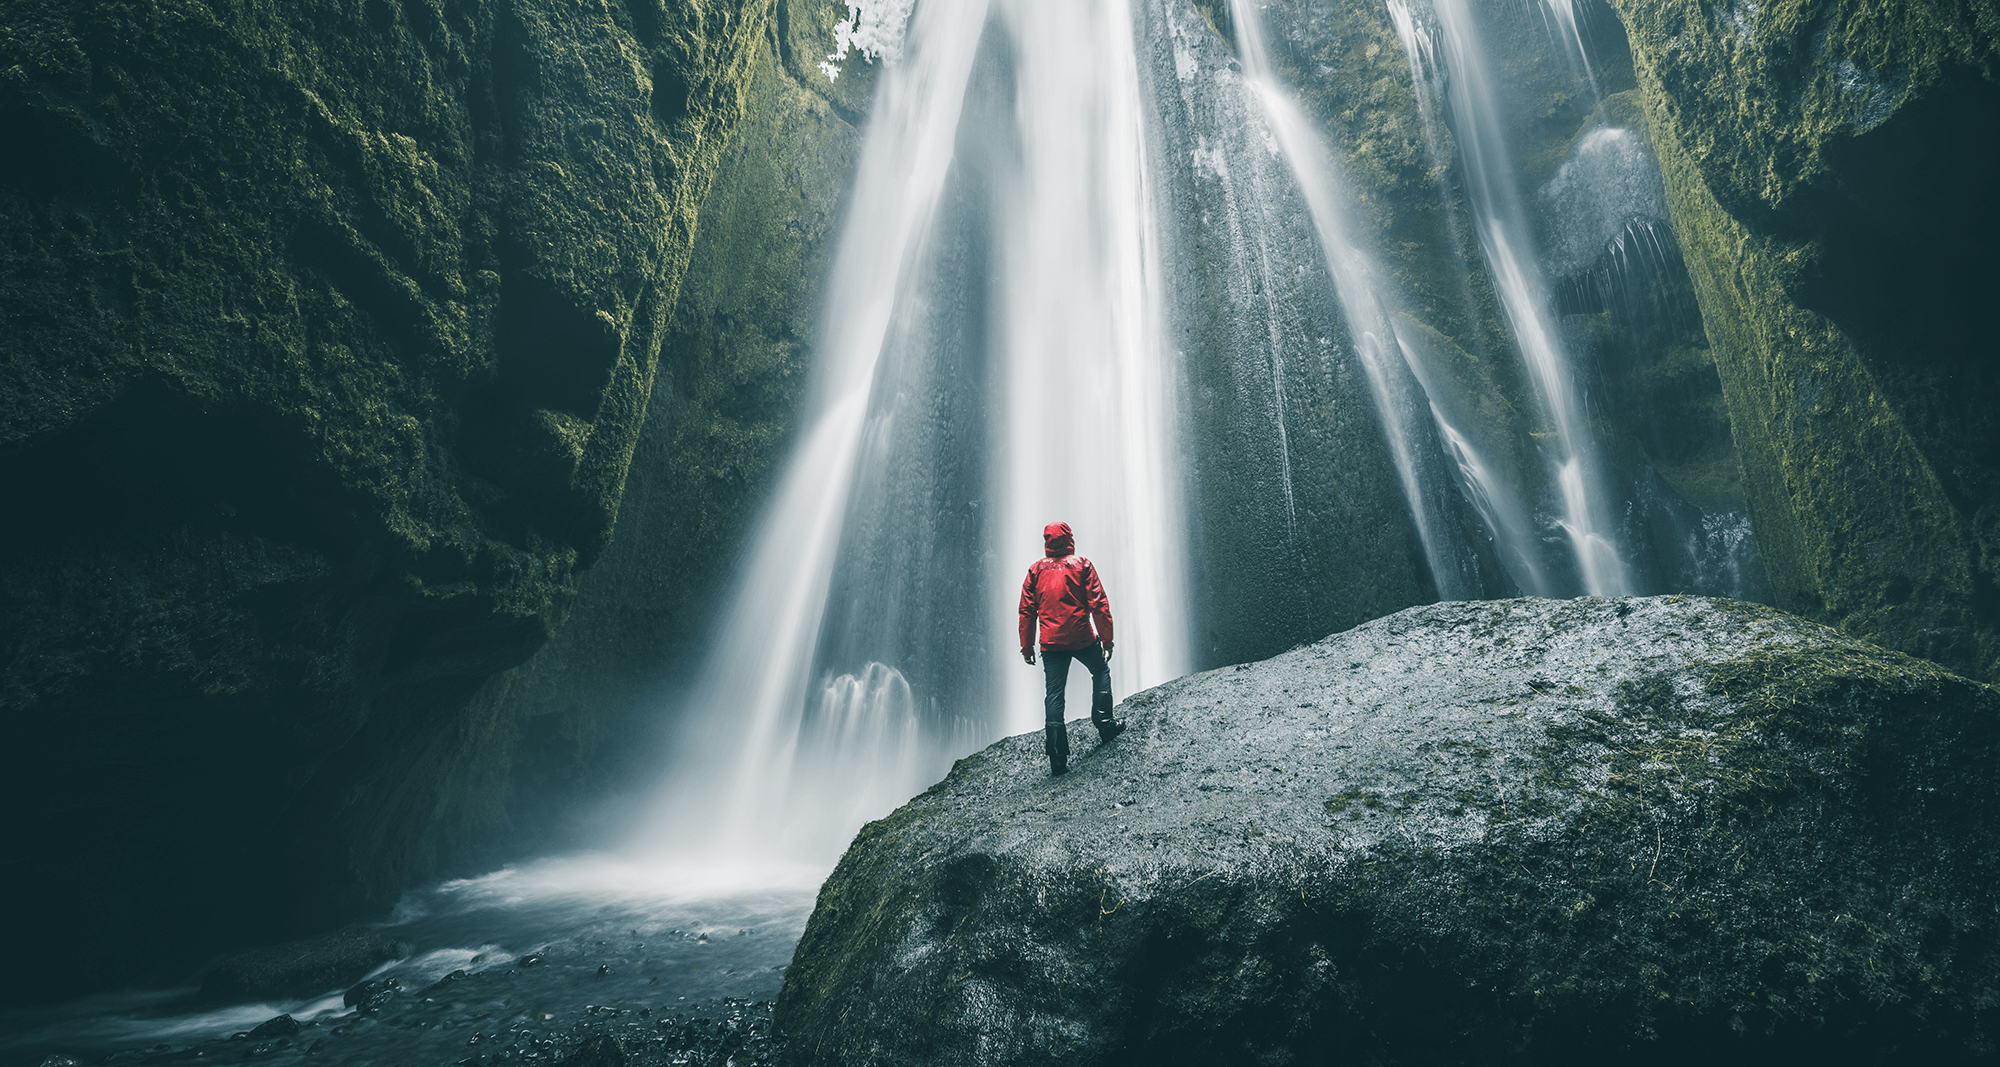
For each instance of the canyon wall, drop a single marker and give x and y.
(1832, 170)
(386, 388)
(331, 330)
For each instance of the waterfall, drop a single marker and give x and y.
(990, 360)
(1576, 468)
(1095, 270)
(1088, 389)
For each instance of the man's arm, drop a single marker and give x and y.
(1031, 616)
(1100, 606)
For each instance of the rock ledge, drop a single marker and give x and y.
(1516, 831)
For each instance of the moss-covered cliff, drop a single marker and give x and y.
(329, 331)
(732, 370)
(1832, 169)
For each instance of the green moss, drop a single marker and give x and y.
(1867, 458)
(1216, 14)
(329, 333)
(1350, 796)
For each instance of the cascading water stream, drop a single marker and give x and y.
(1399, 393)
(1501, 222)
(1088, 387)
(1497, 504)
(735, 780)
(1562, 14)
(991, 362)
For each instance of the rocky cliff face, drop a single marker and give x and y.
(1285, 457)
(329, 333)
(1831, 170)
(1622, 303)
(1665, 830)
(733, 366)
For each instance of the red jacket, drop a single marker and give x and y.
(1062, 594)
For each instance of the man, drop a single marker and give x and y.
(1063, 597)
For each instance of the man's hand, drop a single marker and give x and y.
(1107, 651)
(1028, 654)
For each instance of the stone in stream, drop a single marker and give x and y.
(282, 1026)
(1527, 831)
(371, 996)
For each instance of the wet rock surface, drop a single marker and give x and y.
(478, 1021)
(298, 968)
(1517, 831)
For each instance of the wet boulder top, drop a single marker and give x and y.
(1516, 831)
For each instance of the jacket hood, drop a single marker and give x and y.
(1057, 541)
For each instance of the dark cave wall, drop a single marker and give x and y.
(1832, 169)
(327, 332)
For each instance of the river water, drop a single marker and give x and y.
(674, 960)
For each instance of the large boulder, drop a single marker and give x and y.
(1516, 831)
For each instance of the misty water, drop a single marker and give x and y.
(1053, 198)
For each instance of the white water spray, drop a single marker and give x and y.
(736, 785)
(1089, 388)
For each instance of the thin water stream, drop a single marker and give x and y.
(1576, 467)
(1411, 423)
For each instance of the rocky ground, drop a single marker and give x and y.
(1532, 831)
(422, 1028)
(1517, 831)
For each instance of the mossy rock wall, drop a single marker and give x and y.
(329, 332)
(1353, 78)
(1831, 169)
(733, 369)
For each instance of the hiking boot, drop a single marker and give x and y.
(1107, 727)
(1055, 741)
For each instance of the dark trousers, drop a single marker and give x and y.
(1055, 669)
